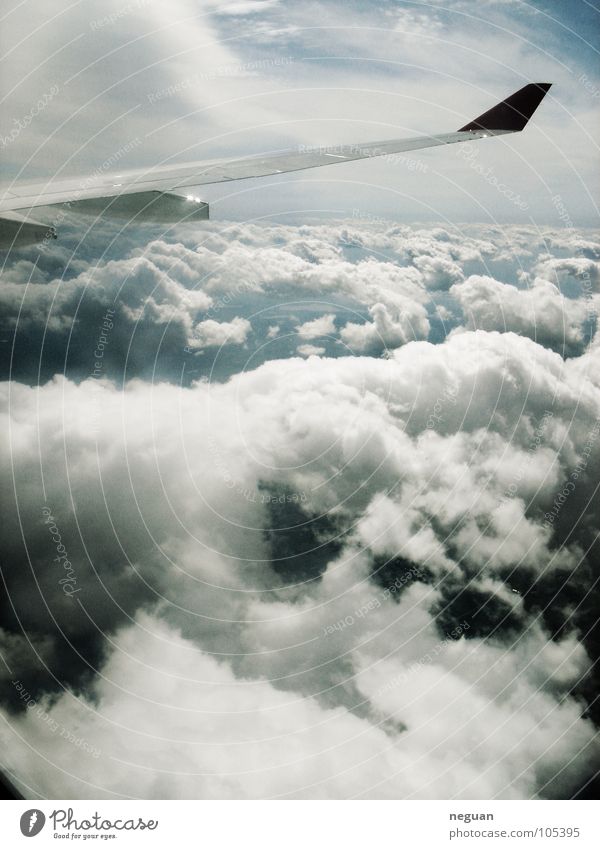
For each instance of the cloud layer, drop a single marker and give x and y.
(382, 558)
(375, 286)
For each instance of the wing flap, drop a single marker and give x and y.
(17, 229)
(163, 207)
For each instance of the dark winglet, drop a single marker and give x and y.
(513, 113)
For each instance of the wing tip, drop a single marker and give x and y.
(512, 114)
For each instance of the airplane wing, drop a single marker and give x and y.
(154, 194)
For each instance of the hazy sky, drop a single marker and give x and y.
(194, 79)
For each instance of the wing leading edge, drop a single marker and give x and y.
(151, 194)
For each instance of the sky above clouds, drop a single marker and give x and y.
(195, 80)
(303, 500)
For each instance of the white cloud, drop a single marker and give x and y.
(146, 293)
(258, 696)
(244, 7)
(310, 350)
(400, 275)
(172, 722)
(322, 326)
(241, 521)
(577, 267)
(213, 334)
(389, 329)
(540, 311)
(439, 272)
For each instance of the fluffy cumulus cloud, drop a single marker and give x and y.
(212, 334)
(387, 329)
(325, 577)
(579, 267)
(540, 311)
(322, 326)
(374, 285)
(310, 350)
